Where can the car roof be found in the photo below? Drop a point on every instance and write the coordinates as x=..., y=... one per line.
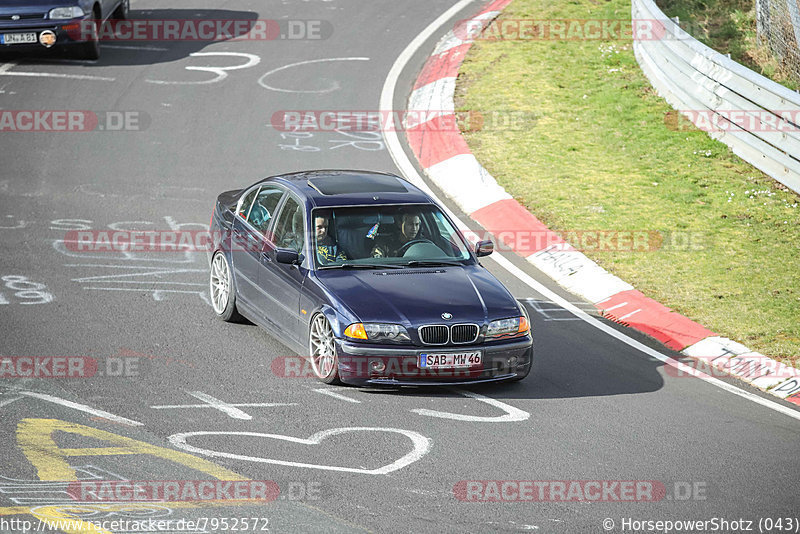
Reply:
x=335, y=187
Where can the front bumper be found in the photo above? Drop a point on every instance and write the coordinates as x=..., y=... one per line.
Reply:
x=67, y=32
x=500, y=361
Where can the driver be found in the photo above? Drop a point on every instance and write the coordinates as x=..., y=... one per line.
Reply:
x=328, y=250
x=409, y=231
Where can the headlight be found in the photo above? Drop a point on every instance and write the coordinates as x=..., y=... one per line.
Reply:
x=378, y=332
x=61, y=13
x=516, y=326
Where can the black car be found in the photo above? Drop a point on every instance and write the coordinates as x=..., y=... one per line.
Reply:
x=46, y=24
x=366, y=276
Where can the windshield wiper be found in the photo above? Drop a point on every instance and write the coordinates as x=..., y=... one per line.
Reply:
x=347, y=265
x=432, y=263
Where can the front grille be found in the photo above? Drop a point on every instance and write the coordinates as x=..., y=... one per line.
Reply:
x=441, y=334
x=463, y=333
x=434, y=334
x=23, y=16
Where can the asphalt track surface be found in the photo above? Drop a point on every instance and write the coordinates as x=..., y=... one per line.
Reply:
x=593, y=409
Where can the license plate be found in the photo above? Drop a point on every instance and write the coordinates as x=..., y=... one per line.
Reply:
x=449, y=360
x=18, y=38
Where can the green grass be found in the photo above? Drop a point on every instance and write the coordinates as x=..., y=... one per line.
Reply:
x=599, y=156
x=729, y=26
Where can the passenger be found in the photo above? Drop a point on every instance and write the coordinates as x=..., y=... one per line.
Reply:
x=408, y=231
x=328, y=250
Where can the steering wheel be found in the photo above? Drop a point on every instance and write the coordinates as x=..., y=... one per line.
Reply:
x=402, y=250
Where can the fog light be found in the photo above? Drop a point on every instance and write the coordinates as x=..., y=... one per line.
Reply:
x=512, y=361
x=377, y=366
x=47, y=38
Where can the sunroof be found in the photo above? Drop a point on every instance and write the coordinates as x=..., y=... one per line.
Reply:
x=344, y=184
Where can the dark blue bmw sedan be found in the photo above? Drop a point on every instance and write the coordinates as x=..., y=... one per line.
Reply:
x=367, y=277
x=44, y=24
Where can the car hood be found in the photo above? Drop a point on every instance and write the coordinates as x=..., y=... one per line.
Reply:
x=420, y=296
x=11, y=7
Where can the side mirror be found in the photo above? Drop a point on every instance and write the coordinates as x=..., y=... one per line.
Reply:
x=288, y=256
x=484, y=248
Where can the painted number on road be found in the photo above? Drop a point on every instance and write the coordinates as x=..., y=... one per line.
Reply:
x=220, y=72
x=25, y=291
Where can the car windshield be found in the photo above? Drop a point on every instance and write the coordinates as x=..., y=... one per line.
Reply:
x=386, y=237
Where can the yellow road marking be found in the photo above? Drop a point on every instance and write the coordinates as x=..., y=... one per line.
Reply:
x=35, y=438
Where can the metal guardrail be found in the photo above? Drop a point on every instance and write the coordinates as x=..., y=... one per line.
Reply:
x=694, y=78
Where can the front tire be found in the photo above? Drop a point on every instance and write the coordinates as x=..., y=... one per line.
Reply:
x=322, y=348
x=91, y=48
x=222, y=290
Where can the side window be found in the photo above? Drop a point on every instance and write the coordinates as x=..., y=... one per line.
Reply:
x=264, y=208
x=289, y=231
x=247, y=202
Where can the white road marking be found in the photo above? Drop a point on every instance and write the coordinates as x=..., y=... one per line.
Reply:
x=615, y=307
x=117, y=266
x=410, y=172
x=158, y=294
x=629, y=314
x=6, y=402
x=61, y=247
x=229, y=409
x=333, y=87
x=150, y=282
x=81, y=407
x=422, y=446
x=146, y=48
x=335, y=395
x=6, y=67
x=512, y=414
x=236, y=404
x=541, y=310
x=252, y=61
x=151, y=273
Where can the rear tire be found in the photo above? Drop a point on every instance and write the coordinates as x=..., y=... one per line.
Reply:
x=222, y=290
x=123, y=11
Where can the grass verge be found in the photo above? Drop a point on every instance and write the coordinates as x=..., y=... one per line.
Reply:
x=599, y=156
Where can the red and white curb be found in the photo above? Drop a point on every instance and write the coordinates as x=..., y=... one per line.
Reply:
x=446, y=159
